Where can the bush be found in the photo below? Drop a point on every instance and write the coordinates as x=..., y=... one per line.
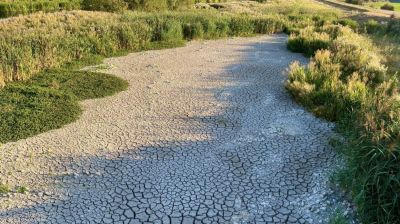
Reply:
x=372, y=26
x=357, y=54
x=105, y=5
x=387, y=7
x=171, y=31
x=269, y=25
x=308, y=41
x=241, y=26
x=193, y=31
x=320, y=87
x=393, y=27
x=350, y=23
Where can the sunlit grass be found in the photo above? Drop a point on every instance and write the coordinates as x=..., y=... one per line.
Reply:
x=378, y=5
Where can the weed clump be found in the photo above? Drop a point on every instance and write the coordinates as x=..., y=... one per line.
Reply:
x=387, y=7
x=22, y=190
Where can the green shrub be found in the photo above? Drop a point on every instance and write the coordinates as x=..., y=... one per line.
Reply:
x=193, y=31
x=357, y=54
x=105, y=5
x=269, y=25
x=24, y=7
x=319, y=87
x=171, y=30
x=387, y=7
x=373, y=26
x=393, y=28
x=211, y=29
x=350, y=23
x=308, y=41
x=241, y=26
x=354, y=52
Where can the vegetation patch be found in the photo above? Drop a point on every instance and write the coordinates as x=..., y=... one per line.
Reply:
x=40, y=95
x=44, y=41
x=4, y=189
x=22, y=190
x=10, y=8
x=392, y=6
x=49, y=101
x=82, y=84
x=347, y=82
x=308, y=41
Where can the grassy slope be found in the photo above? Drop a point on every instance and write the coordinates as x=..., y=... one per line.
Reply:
x=377, y=5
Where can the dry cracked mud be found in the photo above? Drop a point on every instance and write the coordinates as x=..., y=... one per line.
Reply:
x=205, y=134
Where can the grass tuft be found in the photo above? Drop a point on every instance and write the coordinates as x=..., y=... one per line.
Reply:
x=22, y=190
x=4, y=189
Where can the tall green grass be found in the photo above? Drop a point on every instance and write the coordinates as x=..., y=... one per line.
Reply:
x=24, y=7
x=42, y=41
x=346, y=81
x=38, y=96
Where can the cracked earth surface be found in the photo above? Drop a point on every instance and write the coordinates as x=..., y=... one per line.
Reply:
x=205, y=134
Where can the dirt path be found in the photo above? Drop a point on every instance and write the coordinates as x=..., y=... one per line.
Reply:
x=205, y=133
x=360, y=12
